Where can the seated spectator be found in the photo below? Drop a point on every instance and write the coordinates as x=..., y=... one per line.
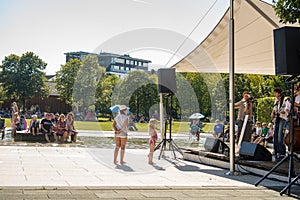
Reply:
x=263, y=134
x=23, y=123
x=269, y=137
x=70, y=127
x=227, y=133
x=62, y=128
x=47, y=128
x=54, y=120
x=34, y=126
x=155, y=115
x=131, y=124
x=218, y=129
x=2, y=127
x=142, y=119
x=15, y=124
x=256, y=132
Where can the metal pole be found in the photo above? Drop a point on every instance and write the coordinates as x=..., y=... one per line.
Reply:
x=161, y=115
x=231, y=88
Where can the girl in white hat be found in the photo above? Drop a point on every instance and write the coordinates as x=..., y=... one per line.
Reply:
x=120, y=125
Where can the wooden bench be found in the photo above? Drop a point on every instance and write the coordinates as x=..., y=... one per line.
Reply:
x=25, y=136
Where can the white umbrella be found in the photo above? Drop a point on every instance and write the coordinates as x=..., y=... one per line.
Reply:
x=196, y=116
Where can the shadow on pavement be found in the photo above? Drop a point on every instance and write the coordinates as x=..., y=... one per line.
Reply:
x=124, y=168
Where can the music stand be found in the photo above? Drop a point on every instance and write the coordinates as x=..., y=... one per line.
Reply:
x=290, y=154
x=163, y=143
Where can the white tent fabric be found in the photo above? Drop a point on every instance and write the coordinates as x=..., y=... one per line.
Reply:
x=254, y=46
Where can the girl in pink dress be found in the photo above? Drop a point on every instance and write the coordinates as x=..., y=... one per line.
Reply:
x=153, y=138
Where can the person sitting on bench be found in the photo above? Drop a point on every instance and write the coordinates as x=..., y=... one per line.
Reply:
x=218, y=130
x=34, y=125
x=47, y=128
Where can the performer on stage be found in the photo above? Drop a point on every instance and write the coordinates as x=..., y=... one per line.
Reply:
x=280, y=113
x=245, y=108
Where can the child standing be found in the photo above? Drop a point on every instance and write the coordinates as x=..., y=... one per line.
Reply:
x=153, y=138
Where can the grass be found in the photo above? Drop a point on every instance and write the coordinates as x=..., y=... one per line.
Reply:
x=177, y=127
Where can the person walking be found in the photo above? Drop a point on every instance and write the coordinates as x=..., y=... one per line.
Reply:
x=153, y=138
x=120, y=126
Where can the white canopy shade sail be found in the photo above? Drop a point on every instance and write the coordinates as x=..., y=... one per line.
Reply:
x=254, y=44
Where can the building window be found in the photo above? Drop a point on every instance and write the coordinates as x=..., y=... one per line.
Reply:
x=119, y=60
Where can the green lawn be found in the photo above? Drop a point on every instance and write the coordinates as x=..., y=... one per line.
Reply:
x=177, y=127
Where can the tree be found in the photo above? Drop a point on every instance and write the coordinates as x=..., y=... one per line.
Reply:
x=201, y=90
x=85, y=84
x=23, y=78
x=65, y=79
x=104, y=91
x=138, y=91
x=287, y=10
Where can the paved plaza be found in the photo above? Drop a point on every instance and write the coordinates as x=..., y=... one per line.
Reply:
x=51, y=171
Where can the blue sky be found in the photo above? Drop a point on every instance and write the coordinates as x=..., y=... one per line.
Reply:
x=50, y=28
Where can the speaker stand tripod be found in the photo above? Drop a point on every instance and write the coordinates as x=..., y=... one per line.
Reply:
x=290, y=155
x=163, y=144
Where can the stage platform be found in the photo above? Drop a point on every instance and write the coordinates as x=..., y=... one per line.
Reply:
x=260, y=168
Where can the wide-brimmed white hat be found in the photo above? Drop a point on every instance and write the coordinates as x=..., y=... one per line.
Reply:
x=123, y=107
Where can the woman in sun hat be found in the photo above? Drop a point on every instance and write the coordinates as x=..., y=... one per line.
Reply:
x=120, y=125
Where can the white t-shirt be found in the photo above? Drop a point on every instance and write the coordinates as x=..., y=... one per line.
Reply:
x=120, y=121
x=286, y=106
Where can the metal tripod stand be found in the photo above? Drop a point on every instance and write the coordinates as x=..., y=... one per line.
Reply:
x=163, y=144
x=290, y=155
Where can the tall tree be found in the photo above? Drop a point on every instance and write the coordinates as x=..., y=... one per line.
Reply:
x=138, y=91
x=65, y=79
x=85, y=84
x=104, y=91
x=287, y=10
x=23, y=78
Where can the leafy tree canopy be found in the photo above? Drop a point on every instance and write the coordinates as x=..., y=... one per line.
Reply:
x=65, y=79
x=287, y=10
x=22, y=77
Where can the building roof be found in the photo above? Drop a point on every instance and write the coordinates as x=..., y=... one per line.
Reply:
x=125, y=56
x=53, y=91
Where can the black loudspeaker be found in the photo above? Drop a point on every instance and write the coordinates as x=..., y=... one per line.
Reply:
x=215, y=145
x=166, y=81
x=251, y=151
x=287, y=50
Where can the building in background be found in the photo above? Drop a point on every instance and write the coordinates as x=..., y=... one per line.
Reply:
x=119, y=65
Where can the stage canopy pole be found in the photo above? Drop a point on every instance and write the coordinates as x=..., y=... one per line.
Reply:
x=231, y=89
x=161, y=116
